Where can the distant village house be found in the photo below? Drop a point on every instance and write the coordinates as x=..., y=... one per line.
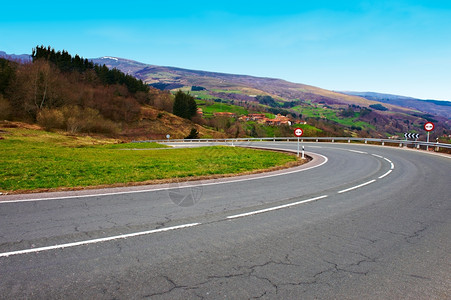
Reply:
x=224, y=114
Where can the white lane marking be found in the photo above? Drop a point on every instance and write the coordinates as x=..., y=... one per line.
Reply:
x=392, y=166
x=357, y=186
x=389, y=171
x=274, y=208
x=94, y=241
x=166, y=188
x=355, y=151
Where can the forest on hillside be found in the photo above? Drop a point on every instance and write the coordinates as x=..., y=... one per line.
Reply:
x=60, y=91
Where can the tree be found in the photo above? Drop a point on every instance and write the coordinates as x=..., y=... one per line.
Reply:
x=378, y=107
x=194, y=134
x=184, y=105
x=6, y=74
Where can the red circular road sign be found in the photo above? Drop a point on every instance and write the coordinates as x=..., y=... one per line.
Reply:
x=298, y=132
x=429, y=126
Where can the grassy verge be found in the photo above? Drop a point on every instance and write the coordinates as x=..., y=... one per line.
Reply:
x=38, y=160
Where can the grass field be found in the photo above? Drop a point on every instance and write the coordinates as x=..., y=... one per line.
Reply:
x=210, y=108
x=331, y=115
x=39, y=160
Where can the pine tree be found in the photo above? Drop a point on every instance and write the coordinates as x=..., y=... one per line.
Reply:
x=184, y=105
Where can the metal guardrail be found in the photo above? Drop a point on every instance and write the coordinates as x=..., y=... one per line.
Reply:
x=401, y=143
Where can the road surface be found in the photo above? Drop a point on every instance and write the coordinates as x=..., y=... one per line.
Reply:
x=363, y=222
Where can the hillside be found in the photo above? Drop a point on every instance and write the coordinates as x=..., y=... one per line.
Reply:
x=108, y=85
x=434, y=107
x=59, y=91
x=327, y=110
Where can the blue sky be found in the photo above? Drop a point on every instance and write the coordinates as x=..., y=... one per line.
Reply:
x=398, y=47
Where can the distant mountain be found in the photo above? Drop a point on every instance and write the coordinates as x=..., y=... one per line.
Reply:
x=125, y=65
x=338, y=113
x=367, y=113
x=18, y=58
x=178, y=77
x=435, y=107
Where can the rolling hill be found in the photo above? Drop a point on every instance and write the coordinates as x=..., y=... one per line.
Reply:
x=359, y=114
x=328, y=112
x=434, y=107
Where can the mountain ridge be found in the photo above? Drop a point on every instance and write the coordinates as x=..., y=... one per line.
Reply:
x=429, y=106
x=360, y=114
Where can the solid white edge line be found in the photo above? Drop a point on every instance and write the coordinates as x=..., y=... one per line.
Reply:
x=164, y=189
x=392, y=166
x=94, y=241
x=357, y=186
x=275, y=208
x=389, y=171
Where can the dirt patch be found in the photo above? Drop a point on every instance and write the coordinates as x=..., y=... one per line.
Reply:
x=10, y=124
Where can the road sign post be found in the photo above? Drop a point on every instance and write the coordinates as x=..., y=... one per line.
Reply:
x=298, y=132
x=429, y=126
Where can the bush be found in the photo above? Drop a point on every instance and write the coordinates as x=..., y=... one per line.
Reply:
x=75, y=119
x=5, y=108
x=51, y=119
x=194, y=134
x=87, y=120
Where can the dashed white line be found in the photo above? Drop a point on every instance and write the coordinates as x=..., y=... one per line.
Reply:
x=360, y=152
x=392, y=166
x=94, y=241
x=275, y=208
x=389, y=171
x=124, y=236
x=167, y=188
x=357, y=186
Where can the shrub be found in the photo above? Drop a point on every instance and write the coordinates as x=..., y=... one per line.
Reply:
x=5, y=108
x=51, y=119
x=87, y=120
x=194, y=134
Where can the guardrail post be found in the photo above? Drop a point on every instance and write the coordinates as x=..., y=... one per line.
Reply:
x=383, y=143
x=333, y=140
x=349, y=141
x=366, y=142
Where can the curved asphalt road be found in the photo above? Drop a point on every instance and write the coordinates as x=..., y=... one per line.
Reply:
x=369, y=222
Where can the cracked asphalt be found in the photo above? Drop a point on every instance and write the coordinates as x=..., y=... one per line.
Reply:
x=390, y=239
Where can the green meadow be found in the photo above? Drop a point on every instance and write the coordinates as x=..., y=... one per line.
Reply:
x=40, y=160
